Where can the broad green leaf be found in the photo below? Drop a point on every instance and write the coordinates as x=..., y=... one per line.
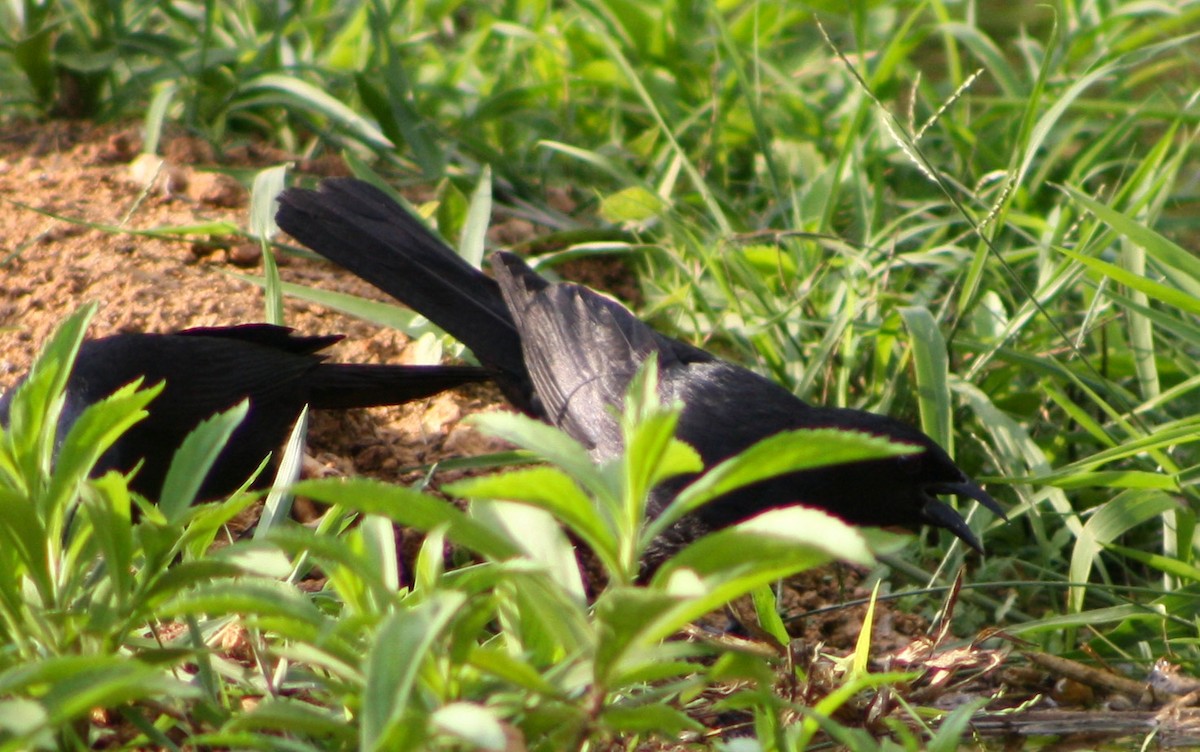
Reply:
x=540, y=536
x=624, y=617
x=550, y=489
x=783, y=453
x=401, y=647
x=932, y=366
x=475, y=724
x=479, y=214
x=195, y=457
x=634, y=205
x=1117, y=517
x=37, y=402
x=734, y=561
x=293, y=92
x=512, y=669
x=657, y=719
x=94, y=432
x=256, y=597
x=293, y=716
x=549, y=443
x=410, y=508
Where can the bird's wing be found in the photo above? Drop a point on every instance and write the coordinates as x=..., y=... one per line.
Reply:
x=581, y=350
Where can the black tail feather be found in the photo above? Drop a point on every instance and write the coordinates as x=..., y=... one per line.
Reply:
x=360, y=228
x=338, y=386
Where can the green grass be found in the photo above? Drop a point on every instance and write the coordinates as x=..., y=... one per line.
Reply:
x=1002, y=258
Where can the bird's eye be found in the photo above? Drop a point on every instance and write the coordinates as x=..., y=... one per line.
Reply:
x=909, y=464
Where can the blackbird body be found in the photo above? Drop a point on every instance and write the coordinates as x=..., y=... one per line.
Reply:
x=209, y=370
x=567, y=354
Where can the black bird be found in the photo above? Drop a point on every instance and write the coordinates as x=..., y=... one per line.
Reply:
x=208, y=370
x=566, y=354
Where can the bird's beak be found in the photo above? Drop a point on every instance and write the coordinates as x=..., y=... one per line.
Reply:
x=943, y=515
x=969, y=489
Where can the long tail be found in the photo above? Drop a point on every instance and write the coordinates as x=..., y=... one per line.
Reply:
x=345, y=385
x=360, y=228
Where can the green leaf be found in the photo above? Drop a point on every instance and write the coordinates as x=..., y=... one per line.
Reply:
x=783, y=453
x=293, y=717
x=539, y=535
x=278, y=506
x=1164, y=293
x=430, y=565
x=472, y=723
x=624, y=617
x=472, y=243
x=549, y=443
x=410, y=508
x=766, y=608
x=175, y=581
x=634, y=205
x=1118, y=516
x=783, y=535
x=195, y=457
x=382, y=314
x=512, y=669
x=1164, y=564
x=1054, y=625
x=68, y=687
x=771, y=263
x=94, y=432
x=379, y=539
x=256, y=597
x=932, y=366
x=156, y=114
x=734, y=561
x=652, y=454
x=37, y=402
x=549, y=489
x=293, y=92
x=657, y=719
x=1158, y=246
x=264, y=201
x=268, y=184
x=401, y=647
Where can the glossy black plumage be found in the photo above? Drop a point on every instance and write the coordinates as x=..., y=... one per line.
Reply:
x=208, y=370
x=566, y=354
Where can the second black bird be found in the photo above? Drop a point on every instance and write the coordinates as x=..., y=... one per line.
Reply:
x=209, y=370
x=566, y=354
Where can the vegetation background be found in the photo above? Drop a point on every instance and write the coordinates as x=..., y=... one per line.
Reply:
x=976, y=216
